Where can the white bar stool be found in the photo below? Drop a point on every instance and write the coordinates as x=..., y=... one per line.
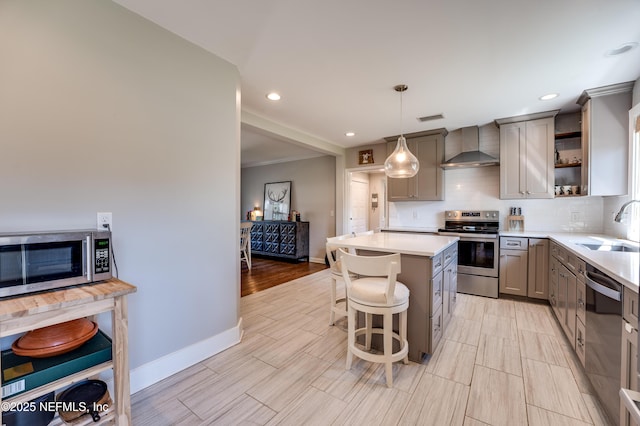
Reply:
x=376, y=293
x=332, y=246
x=335, y=307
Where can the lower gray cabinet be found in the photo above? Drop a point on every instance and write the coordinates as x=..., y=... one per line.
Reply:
x=513, y=265
x=537, y=282
x=280, y=239
x=450, y=283
x=629, y=353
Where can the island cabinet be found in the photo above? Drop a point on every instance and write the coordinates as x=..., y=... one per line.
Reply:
x=278, y=238
x=527, y=156
x=450, y=283
x=429, y=270
x=428, y=184
x=31, y=311
x=605, y=139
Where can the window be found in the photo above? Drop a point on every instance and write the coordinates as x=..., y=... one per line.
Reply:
x=633, y=212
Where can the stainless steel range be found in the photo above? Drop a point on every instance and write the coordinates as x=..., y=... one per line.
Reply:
x=477, y=249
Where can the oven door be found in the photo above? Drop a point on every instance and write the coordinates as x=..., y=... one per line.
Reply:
x=478, y=254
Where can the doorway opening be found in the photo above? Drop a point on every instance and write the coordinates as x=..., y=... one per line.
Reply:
x=365, y=199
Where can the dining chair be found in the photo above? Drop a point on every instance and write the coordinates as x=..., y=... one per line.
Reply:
x=245, y=243
x=336, y=303
x=375, y=291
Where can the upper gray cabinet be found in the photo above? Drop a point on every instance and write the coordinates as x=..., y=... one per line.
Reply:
x=526, y=156
x=605, y=139
x=428, y=184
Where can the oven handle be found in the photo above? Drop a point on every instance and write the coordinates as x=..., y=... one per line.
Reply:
x=470, y=236
x=604, y=287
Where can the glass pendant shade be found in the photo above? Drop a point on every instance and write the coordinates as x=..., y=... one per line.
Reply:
x=401, y=163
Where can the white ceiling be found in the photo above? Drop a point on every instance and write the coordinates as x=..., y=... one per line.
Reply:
x=335, y=62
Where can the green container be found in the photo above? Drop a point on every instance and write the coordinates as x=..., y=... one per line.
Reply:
x=21, y=373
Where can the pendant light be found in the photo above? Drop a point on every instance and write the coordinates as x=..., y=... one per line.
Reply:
x=401, y=163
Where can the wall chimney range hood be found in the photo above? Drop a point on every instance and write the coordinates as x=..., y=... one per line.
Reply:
x=471, y=156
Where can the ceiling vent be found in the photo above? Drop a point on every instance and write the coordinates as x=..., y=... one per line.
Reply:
x=430, y=118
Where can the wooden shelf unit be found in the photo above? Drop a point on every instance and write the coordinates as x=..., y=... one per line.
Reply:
x=33, y=311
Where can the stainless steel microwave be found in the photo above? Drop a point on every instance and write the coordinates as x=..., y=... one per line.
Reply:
x=38, y=261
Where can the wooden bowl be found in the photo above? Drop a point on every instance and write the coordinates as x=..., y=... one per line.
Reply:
x=55, y=339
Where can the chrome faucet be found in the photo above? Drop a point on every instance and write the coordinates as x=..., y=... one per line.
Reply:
x=618, y=217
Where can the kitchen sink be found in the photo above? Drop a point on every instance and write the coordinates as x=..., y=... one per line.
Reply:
x=611, y=247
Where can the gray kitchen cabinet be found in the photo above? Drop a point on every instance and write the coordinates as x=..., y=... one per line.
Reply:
x=567, y=292
x=567, y=295
x=605, y=139
x=629, y=353
x=513, y=266
x=436, y=319
x=581, y=340
x=428, y=184
x=538, y=267
x=553, y=284
x=450, y=283
x=527, y=158
x=425, y=315
x=630, y=307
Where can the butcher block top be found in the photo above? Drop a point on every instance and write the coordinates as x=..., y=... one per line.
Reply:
x=36, y=303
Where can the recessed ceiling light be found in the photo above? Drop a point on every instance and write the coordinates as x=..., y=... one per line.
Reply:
x=350, y=134
x=623, y=48
x=273, y=96
x=548, y=97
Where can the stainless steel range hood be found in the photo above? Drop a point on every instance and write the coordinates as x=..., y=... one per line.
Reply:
x=471, y=156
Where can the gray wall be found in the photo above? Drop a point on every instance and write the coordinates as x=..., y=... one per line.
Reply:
x=101, y=110
x=313, y=194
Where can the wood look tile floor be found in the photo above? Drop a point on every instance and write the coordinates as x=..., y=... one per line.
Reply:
x=500, y=362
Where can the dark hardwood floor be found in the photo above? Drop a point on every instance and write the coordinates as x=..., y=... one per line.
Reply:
x=266, y=273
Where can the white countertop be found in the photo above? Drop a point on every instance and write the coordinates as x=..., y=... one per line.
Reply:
x=622, y=266
x=425, y=230
x=403, y=243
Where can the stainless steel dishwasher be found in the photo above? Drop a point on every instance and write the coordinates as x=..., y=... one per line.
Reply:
x=603, y=338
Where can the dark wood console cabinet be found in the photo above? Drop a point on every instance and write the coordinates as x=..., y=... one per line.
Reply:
x=278, y=238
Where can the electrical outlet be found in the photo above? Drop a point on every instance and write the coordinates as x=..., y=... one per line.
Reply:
x=575, y=216
x=415, y=215
x=105, y=221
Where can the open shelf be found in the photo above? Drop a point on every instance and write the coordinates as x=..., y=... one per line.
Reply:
x=568, y=135
x=562, y=166
x=60, y=383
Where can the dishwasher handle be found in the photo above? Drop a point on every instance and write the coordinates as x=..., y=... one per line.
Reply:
x=604, y=285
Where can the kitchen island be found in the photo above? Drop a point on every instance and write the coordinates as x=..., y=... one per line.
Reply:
x=429, y=270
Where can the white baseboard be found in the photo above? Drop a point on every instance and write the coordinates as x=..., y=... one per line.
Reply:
x=316, y=260
x=161, y=368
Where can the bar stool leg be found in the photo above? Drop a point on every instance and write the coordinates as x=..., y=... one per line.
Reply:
x=368, y=325
x=388, y=347
x=332, y=316
x=351, y=325
x=403, y=333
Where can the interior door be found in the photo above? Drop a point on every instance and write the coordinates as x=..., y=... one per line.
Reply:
x=359, y=212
